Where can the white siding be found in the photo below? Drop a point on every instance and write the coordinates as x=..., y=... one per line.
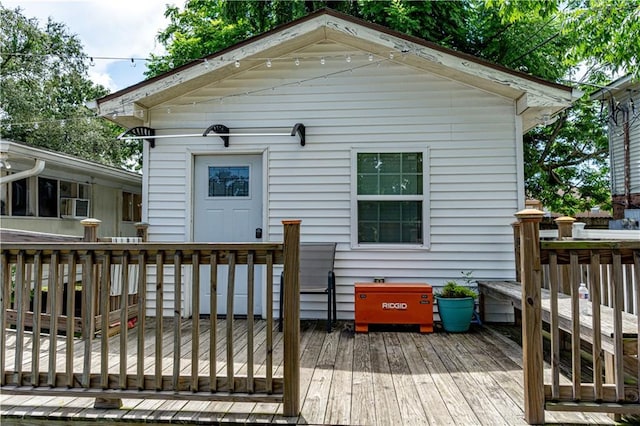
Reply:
x=616, y=140
x=469, y=134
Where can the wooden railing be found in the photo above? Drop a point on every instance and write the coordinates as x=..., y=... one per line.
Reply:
x=611, y=332
x=134, y=364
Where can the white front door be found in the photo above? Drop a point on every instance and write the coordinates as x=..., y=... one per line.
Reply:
x=228, y=208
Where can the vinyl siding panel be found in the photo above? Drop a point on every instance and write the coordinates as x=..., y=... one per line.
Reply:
x=469, y=136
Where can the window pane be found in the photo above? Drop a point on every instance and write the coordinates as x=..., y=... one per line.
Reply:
x=19, y=197
x=229, y=181
x=47, y=197
x=390, y=174
x=412, y=162
x=412, y=184
x=390, y=163
x=390, y=222
x=137, y=207
x=368, y=163
x=368, y=184
x=390, y=185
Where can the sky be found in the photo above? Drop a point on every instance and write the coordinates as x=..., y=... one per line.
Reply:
x=107, y=28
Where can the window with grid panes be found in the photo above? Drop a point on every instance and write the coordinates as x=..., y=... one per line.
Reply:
x=390, y=198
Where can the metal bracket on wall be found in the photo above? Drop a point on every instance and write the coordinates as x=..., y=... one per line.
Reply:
x=140, y=132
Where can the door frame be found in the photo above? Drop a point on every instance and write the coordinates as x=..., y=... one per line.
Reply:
x=190, y=161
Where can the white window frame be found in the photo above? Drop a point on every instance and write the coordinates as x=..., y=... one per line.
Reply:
x=426, y=233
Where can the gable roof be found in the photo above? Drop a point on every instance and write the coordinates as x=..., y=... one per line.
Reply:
x=625, y=83
x=535, y=98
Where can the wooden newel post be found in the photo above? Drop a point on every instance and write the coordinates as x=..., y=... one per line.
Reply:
x=142, y=231
x=532, y=356
x=565, y=227
x=90, y=229
x=291, y=398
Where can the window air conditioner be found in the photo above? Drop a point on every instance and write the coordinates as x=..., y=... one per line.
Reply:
x=76, y=208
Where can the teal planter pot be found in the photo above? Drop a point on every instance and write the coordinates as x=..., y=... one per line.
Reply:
x=455, y=313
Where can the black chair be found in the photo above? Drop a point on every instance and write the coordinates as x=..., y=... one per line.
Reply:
x=316, y=277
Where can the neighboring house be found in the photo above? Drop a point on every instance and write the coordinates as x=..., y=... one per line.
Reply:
x=410, y=157
x=621, y=101
x=50, y=192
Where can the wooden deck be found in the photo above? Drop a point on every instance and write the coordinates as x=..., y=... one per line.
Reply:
x=388, y=376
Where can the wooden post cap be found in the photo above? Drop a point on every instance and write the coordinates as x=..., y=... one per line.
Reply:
x=90, y=222
x=565, y=220
x=530, y=214
x=292, y=222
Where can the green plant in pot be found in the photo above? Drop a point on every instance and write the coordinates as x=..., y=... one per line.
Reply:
x=456, y=304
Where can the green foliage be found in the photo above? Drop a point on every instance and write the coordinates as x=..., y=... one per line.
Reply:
x=453, y=290
x=566, y=163
x=43, y=89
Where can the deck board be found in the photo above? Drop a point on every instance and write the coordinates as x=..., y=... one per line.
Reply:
x=385, y=377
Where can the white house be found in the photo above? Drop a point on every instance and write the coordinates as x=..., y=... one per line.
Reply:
x=622, y=103
x=406, y=154
x=50, y=192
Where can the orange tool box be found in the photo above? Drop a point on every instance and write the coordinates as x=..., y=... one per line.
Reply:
x=393, y=303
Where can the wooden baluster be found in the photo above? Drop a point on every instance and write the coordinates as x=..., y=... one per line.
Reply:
x=105, y=292
x=5, y=298
x=124, y=319
x=636, y=267
x=231, y=285
x=213, y=331
x=177, y=318
x=594, y=290
x=195, y=331
x=531, y=315
x=37, y=316
x=291, y=397
x=71, y=317
x=554, y=325
x=250, y=325
x=269, y=360
x=142, y=312
x=576, y=372
x=88, y=315
x=618, y=306
x=159, y=316
x=20, y=290
x=54, y=294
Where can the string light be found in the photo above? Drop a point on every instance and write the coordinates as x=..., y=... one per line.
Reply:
x=268, y=63
x=273, y=88
x=370, y=57
x=349, y=59
x=322, y=61
x=297, y=62
x=237, y=64
x=133, y=63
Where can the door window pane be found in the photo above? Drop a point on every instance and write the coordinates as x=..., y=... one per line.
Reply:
x=229, y=181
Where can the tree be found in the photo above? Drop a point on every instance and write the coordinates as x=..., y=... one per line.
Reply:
x=565, y=163
x=204, y=27
x=43, y=89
